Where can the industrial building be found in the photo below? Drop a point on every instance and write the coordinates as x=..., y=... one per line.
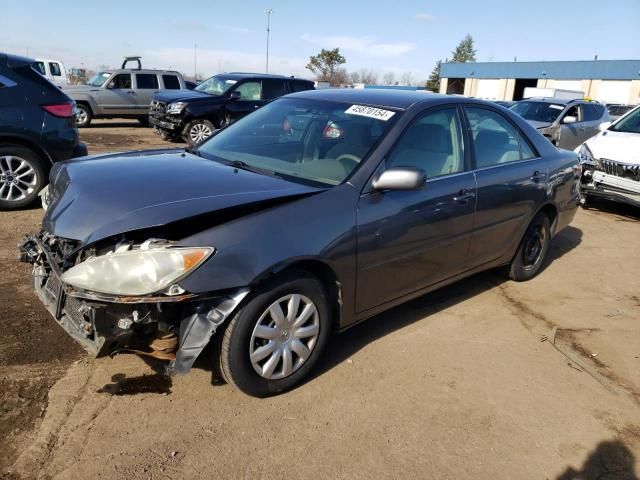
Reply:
x=608, y=81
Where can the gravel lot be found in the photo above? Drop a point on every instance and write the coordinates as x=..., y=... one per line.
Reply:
x=456, y=384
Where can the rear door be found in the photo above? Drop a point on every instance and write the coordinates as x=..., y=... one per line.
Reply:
x=146, y=87
x=116, y=96
x=511, y=183
x=250, y=99
x=408, y=240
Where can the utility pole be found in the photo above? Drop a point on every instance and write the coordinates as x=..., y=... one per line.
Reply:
x=268, y=11
x=195, y=62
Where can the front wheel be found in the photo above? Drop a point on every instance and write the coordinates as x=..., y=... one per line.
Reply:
x=198, y=131
x=22, y=176
x=532, y=250
x=276, y=338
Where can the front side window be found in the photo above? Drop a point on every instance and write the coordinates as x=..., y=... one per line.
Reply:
x=573, y=111
x=538, y=111
x=122, y=80
x=39, y=67
x=146, y=81
x=307, y=141
x=433, y=144
x=171, y=82
x=250, y=91
x=495, y=139
x=54, y=68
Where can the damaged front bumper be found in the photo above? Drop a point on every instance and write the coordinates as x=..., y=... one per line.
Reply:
x=175, y=328
x=611, y=182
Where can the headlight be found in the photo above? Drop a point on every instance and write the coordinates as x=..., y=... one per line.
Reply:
x=584, y=154
x=135, y=272
x=176, y=108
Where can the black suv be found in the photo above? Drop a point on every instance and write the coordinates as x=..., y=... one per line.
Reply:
x=194, y=115
x=37, y=128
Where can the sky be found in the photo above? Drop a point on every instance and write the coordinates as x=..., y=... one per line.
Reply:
x=400, y=37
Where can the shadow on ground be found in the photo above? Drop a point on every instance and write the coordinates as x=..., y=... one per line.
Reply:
x=611, y=460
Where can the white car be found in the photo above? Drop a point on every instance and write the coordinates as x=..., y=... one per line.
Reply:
x=52, y=70
x=611, y=162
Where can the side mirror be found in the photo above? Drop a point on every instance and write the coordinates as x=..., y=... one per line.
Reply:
x=235, y=95
x=569, y=119
x=400, y=178
x=604, y=126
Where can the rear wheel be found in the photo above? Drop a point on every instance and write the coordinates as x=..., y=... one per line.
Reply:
x=198, y=131
x=144, y=121
x=84, y=115
x=532, y=250
x=22, y=176
x=275, y=338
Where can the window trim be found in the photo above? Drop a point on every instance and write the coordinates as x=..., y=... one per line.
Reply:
x=416, y=118
x=521, y=136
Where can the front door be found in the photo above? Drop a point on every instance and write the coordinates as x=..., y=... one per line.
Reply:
x=511, y=180
x=117, y=96
x=250, y=100
x=408, y=240
x=572, y=134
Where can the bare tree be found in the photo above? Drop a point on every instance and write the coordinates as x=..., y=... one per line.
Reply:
x=406, y=79
x=388, y=78
x=368, y=77
x=354, y=77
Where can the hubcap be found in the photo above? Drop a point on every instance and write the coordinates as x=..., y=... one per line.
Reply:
x=199, y=132
x=284, y=337
x=18, y=179
x=533, y=246
x=81, y=116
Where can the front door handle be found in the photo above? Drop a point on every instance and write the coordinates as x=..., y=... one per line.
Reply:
x=537, y=176
x=464, y=196
x=131, y=92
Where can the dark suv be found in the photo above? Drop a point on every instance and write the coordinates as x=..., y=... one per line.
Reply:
x=37, y=128
x=194, y=115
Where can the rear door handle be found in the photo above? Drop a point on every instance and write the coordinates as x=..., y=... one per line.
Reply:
x=537, y=176
x=464, y=196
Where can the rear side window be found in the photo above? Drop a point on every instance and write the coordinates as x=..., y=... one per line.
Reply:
x=39, y=67
x=54, y=68
x=171, y=82
x=146, y=81
x=433, y=144
x=495, y=139
x=592, y=112
x=272, y=89
x=301, y=86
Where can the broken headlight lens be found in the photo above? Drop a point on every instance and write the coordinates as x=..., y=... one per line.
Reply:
x=135, y=272
x=584, y=154
x=175, y=108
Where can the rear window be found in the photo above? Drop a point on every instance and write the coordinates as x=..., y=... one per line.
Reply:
x=301, y=86
x=147, y=81
x=592, y=111
x=171, y=82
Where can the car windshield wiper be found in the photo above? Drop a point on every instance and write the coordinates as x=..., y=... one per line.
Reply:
x=250, y=168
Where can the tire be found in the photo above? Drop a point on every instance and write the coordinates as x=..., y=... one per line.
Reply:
x=584, y=201
x=22, y=176
x=84, y=115
x=242, y=336
x=144, y=121
x=197, y=131
x=532, y=250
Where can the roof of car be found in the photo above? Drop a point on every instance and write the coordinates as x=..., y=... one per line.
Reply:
x=557, y=101
x=389, y=98
x=243, y=75
x=135, y=70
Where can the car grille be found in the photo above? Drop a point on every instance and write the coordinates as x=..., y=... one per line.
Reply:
x=157, y=108
x=621, y=169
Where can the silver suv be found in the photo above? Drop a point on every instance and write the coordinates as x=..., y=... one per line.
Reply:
x=566, y=123
x=122, y=93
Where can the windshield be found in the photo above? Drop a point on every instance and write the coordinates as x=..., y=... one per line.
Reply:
x=216, y=85
x=98, y=79
x=629, y=123
x=538, y=111
x=303, y=140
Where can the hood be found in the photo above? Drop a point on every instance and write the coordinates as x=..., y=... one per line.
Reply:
x=168, y=96
x=617, y=146
x=97, y=197
x=539, y=125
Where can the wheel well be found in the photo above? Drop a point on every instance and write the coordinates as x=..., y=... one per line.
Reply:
x=552, y=214
x=85, y=103
x=31, y=146
x=329, y=280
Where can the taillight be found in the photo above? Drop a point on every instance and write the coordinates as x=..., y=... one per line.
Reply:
x=64, y=110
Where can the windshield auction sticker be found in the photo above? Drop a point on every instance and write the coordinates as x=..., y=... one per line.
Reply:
x=370, y=112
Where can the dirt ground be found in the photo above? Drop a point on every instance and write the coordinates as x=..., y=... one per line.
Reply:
x=460, y=383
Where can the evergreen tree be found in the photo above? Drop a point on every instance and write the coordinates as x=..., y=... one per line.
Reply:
x=464, y=52
x=433, y=83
